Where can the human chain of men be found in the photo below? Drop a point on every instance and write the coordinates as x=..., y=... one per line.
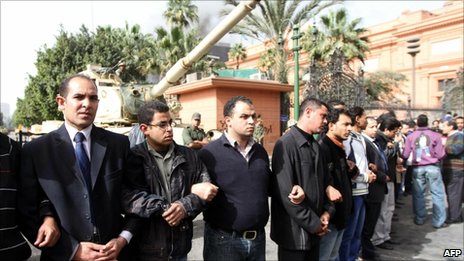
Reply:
x=334, y=180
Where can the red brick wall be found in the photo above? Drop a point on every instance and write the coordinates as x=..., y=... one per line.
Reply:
x=210, y=102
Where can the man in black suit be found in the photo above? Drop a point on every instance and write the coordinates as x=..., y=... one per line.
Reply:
x=85, y=201
x=377, y=189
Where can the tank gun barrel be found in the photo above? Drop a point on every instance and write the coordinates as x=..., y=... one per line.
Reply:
x=182, y=66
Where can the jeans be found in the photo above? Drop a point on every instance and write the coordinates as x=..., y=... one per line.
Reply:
x=330, y=243
x=421, y=176
x=221, y=245
x=351, y=242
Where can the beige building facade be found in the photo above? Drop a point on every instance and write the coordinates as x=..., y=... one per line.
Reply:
x=441, y=34
x=441, y=51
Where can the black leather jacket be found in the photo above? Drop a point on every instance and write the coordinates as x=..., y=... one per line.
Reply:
x=156, y=240
x=295, y=161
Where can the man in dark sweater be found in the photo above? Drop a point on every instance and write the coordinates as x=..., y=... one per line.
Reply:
x=339, y=127
x=235, y=219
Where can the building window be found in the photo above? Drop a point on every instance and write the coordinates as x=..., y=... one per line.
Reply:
x=443, y=83
x=446, y=47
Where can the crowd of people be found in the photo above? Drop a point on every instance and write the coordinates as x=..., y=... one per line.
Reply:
x=84, y=193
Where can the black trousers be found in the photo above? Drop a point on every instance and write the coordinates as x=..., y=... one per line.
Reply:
x=284, y=254
x=408, y=180
x=372, y=214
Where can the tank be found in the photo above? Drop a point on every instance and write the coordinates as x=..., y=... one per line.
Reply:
x=120, y=101
x=184, y=64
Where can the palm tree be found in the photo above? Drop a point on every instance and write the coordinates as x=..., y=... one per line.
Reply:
x=335, y=32
x=181, y=13
x=271, y=19
x=171, y=46
x=267, y=61
x=237, y=53
x=175, y=42
x=276, y=17
x=137, y=53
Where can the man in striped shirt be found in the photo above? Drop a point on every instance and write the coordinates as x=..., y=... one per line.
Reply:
x=355, y=149
x=12, y=244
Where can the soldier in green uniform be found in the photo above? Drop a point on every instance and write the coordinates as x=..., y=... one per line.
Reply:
x=195, y=137
x=258, y=134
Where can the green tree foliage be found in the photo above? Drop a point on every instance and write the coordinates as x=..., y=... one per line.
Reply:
x=335, y=31
x=172, y=45
x=453, y=98
x=276, y=17
x=267, y=61
x=383, y=87
x=181, y=13
x=237, y=53
x=271, y=20
x=142, y=55
x=176, y=42
x=70, y=54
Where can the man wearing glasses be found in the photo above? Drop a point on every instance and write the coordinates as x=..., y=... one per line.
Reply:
x=178, y=182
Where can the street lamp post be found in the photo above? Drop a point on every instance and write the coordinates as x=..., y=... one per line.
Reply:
x=296, y=85
x=413, y=49
x=409, y=107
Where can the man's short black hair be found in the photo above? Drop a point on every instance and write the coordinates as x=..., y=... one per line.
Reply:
x=453, y=124
x=230, y=104
x=63, y=89
x=334, y=115
x=313, y=103
x=422, y=120
x=149, y=109
x=355, y=112
x=390, y=124
x=409, y=123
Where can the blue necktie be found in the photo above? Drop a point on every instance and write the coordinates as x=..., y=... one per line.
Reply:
x=83, y=160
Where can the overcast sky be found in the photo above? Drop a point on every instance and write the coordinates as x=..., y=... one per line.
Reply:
x=28, y=25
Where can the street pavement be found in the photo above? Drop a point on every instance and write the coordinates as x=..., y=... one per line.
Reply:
x=422, y=242
x=416, y=242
